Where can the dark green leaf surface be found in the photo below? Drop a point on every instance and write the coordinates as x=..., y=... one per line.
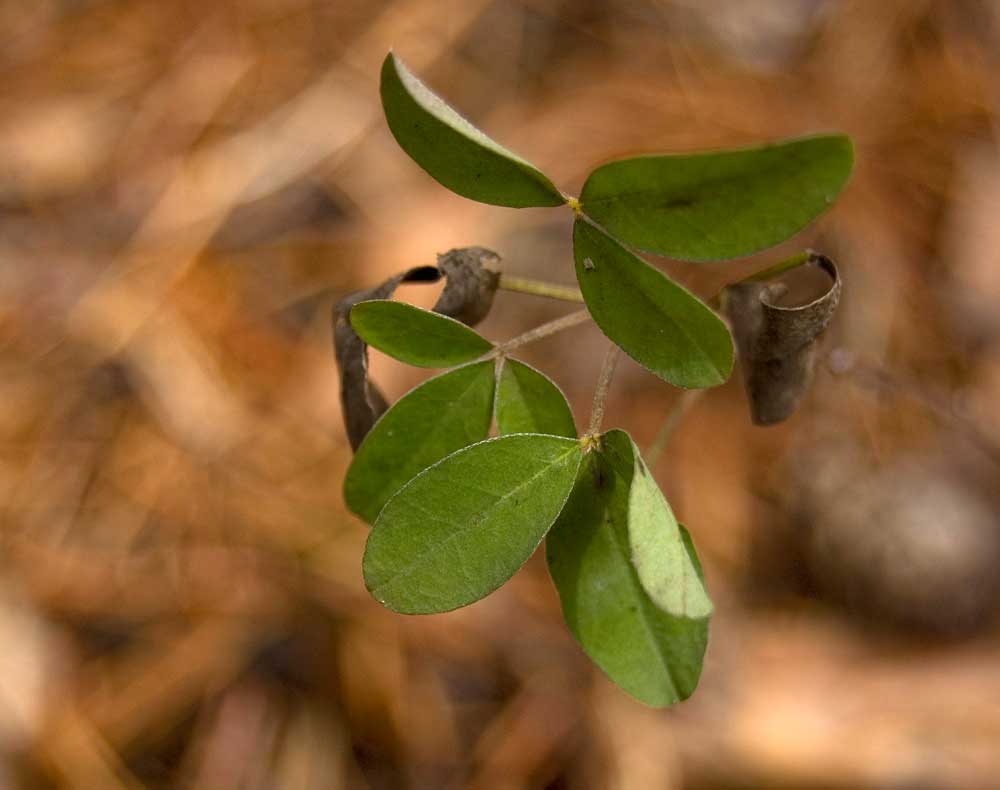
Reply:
x=417, y=337
x=530, y=402
x=658, y=323
x=463, y=527
x=653, y=655
x=723, y=204
x=455, y=152
x=442, y=415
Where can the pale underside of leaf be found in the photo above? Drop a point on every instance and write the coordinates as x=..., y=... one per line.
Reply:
x=662, y=562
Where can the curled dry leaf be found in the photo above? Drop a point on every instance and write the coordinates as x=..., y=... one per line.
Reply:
x=361, y=402
x=777, y=343
x=471, y=281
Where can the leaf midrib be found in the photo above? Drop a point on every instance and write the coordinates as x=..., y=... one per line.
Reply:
x=635, y=280
x=438, y=327
x=654, y=190
x=450, y=334
x=442, y=112
x=474, y=520
x=434, y=431
x=624, y=553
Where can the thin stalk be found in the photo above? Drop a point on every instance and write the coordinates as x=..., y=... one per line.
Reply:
x=782, y=266
x=601, y=393
x=525, y=285
x=794, y=262
x=543, y=331
x=680, y=408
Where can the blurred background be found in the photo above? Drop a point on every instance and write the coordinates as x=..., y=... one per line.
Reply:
x=186, y=188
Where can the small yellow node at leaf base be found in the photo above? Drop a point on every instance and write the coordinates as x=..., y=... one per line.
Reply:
x=574, y=204
x=590, y=442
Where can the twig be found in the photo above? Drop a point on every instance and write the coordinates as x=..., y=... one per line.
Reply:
x=794, y=262
x=543, y=331
x=681, y=406
x=601, y=393
x=525, y=285
x=781, y=267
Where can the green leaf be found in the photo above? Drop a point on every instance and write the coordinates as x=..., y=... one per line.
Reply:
x=463, y=527
x=723, y=204
x=661, y=325
x=417, y=337
x=530, y=402
x=455, y=152
x=442, y=415
x=653, y=655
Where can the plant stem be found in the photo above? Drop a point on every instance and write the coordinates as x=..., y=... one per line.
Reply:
x=543, y=331
x=782, y=266
x=799, y=259
x=601, y=393
x=674, y=417
x=540, y=288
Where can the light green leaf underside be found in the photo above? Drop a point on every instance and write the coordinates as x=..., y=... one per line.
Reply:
x=722, y=204
x=442, y=415
x=661, y=325
x=653, y=655
x=417, y=337
x=463, y=527
x=663, y=563
x=530, y=402
x=453, y=151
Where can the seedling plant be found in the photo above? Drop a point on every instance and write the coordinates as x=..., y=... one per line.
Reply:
x=456, y=512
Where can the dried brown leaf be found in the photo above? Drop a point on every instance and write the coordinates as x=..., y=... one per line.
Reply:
x=471, y=282
x=777, y=343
